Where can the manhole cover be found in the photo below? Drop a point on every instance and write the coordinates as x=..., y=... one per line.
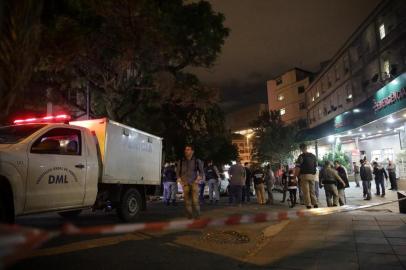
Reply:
x=226, y=237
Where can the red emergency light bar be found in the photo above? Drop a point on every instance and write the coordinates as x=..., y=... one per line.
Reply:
x=57, y=118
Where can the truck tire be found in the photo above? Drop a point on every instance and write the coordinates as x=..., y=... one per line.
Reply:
x=3, y=212
x=130, y=205
x=70, y=214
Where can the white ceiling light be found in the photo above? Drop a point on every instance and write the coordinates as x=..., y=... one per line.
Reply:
x=360, y=130
x=391, y=120
x=356, y=110
x=331, y=138
x=349, y=132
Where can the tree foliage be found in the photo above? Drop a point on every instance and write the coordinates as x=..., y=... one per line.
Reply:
x=19, y=39
x=337, y=154
x=274, y=140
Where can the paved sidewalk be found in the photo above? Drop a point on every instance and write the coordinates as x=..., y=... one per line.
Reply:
x=374, y=238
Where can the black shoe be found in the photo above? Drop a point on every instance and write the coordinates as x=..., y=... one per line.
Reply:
x=383, y=195
x=377, y=194
x=315, y=206
x=334, y=205
x=390, y=188
x=308, y=207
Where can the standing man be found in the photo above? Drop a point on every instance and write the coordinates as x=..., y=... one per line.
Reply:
x=329, y=179
x=355, y=169
x=237, y=181
x=212, y=175
x=379, y=173
x=190, y=172
x=341, y=186
x=306, y=165
x=258, y=177
x=392, y=175
x=366, y=177
x=246, y=192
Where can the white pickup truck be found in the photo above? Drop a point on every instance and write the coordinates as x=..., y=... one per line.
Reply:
x=70, y=166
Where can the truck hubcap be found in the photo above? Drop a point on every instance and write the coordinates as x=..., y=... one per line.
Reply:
x=132, y=205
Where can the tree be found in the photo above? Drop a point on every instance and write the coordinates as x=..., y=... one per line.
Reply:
x=337, y=154
x=130, y=52
x=274, y=140
x=19, y=41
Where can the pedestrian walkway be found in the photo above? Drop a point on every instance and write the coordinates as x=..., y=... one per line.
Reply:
x=373, y=238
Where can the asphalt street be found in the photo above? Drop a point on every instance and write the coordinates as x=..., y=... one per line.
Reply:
x=253, y=246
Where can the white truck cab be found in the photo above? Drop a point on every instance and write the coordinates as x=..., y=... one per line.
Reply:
x=66, y=167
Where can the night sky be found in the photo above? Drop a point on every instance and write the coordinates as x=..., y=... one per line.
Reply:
x=269, y=37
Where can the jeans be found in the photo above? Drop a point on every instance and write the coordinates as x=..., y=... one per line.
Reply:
x=191, y=198
x=246, y=196
x=341, y=196
x=316, y=189
x=380, y=183
x=393, y=183
x=236, y=194
x=357, y=178
x=292, y=195
x=269, y=187
x=260, y=192
x=214, y=190
x=331, y=194
x=170, y=191
x=307, y=185
x=366, y=187
x=201, y=191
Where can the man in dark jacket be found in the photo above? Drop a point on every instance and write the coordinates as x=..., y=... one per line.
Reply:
x=380, y=173
x=340, y=186
x=329, y=179
x=366, y=177
x=306, y=165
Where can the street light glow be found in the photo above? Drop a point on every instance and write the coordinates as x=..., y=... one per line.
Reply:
x=331, y=138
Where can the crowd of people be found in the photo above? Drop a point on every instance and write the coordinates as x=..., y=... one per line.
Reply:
x=301, y=182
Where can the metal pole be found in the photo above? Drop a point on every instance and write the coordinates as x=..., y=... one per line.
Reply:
x=87, y=102
x=316, y=146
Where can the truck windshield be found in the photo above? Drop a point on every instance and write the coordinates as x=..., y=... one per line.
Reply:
x=14, y=134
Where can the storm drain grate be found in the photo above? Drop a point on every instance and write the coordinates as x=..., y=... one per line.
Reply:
x=226, y=237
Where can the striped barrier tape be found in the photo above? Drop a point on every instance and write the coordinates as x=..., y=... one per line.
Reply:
x=16, y=241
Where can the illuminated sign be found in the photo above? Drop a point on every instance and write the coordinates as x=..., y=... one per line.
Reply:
x=389, y=100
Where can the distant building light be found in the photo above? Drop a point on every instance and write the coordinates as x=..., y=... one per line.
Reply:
x=331, y=138
x=281, y=97
x=382, y=32
x=349, y=96
x=360, y=130
x=356, y=110
x=282, y=111
x=317, y=94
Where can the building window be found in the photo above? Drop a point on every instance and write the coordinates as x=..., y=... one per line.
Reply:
x=386, y=67
x=302, y=106
x=281, y=97
x=317, y=94
x=382, y=32
x=282, y=111
x=300, y=89
x=312, y=99
x=278, y=80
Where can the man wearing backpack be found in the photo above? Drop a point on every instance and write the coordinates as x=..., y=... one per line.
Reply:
x=190, y=172
x=306, y=170
x=212, y=176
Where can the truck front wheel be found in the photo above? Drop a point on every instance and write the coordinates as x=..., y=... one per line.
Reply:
x=130, y=205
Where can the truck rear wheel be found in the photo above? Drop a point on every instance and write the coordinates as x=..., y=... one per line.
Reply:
x=70, y=214
x=130, y=205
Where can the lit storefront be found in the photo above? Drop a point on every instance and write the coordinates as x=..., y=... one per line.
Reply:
x=374, y=129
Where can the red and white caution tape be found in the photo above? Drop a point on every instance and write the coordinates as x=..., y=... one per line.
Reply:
x=16, y=242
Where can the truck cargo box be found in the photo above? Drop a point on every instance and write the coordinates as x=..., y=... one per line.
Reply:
x=129, y=156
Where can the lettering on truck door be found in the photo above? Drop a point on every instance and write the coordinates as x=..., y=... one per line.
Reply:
x=56, y=170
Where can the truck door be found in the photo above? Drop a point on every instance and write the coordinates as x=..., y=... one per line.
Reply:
x=56, y=170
